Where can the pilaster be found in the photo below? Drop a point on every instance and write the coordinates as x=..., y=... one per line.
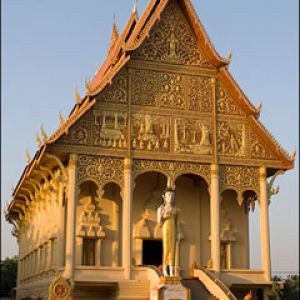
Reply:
x=70, y=226
x=215, y=218
x=127, y=207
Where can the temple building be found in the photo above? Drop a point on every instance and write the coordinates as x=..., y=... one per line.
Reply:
x=162, y=111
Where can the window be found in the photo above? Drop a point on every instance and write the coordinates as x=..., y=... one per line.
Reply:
x=88, y=253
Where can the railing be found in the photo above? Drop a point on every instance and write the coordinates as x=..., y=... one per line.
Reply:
x=213, y=284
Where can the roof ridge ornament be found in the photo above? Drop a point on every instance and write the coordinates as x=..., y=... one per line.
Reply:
x=294, y=153
x=135, y=5
x=229, y=57
x=88, y=86
x=28, y=159
x=114, y=34
x=44, y=134
x=77, y=96
x=61, y=119
x=259, y=106
x=38, y=141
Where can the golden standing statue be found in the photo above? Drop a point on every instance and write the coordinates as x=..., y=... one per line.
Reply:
x=168, y=216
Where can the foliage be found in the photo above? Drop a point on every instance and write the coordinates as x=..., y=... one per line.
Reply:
x=289, y=290
x=8, y=275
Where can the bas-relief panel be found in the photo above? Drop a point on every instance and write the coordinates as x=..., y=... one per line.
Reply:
x=151, y=132
x=172, y=40
x=192, y=136
x=167, y=90
x=231, y=138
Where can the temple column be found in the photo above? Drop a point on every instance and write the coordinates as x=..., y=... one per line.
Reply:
x=60, y=258
x=70, y=226
x=126, y=229
x=38, y=260
x=264, y=224
x=215, y=218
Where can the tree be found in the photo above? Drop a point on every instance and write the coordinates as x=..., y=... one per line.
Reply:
x=8, y=275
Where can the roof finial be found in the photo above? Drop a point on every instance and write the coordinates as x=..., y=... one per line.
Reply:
x=259, y=106
x=293, y=155
x=88, y=86
x=229, y=56
x=134, y=10
x=44, y=134
x=28, y=159
x=61, y=119
x=38, y=141
x=77, y=96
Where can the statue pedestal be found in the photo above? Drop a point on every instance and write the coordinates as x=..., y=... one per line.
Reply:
x=170, y=288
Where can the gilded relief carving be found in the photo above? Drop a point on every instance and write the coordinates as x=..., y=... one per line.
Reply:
x=109, y=129
x=160, y=89
x=117, y=91
x=79, y=133
x=225, y=103
x=101, y=169
x=258, y=149
x=151, y=132
x=231, y=138
x=239, y=178
x=172, y=40
x=191, y=136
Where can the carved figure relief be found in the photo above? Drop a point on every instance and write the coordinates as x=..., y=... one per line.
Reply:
x=117, y=91
x=225, y=103
x=171, y=40
x=192, y=136
x=110, y=129
x=101, y=169
x=151, y=132
x=239, y=178
x=179, y=91
x=231, y=138
x=227, y=231
x=258, y=149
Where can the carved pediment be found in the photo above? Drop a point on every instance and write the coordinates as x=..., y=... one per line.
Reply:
x=172, y=40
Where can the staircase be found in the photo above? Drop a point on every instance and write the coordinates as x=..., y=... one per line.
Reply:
x=198, y=290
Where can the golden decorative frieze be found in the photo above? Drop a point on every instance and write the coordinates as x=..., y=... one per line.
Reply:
x=172, y=169
x=151, y=132
x=117, y=91
x=192, y=136
x=171, y=90
x=258, y=149
x=101, y=169
x=172, y=40
x=239, y=178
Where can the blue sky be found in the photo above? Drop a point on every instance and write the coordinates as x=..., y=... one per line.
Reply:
x=50, y=47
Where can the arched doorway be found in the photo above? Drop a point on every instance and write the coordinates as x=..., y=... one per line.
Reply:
x=193, y=200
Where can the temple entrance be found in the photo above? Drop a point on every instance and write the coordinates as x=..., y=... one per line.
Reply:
x=152, y=252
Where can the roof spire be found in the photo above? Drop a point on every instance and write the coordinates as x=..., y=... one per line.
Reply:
x=259, y=106
x=114, y=34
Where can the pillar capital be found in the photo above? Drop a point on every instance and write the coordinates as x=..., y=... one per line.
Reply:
x=262, y=173
x=127, y=164
x=214, y=169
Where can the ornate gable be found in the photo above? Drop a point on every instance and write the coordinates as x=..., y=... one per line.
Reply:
x=172, y=40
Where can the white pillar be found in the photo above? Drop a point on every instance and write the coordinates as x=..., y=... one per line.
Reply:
x=61, y=221
x=215, y=218
x=38, y=260
x=264, y=224
x=70, y=228
x=126, y=228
